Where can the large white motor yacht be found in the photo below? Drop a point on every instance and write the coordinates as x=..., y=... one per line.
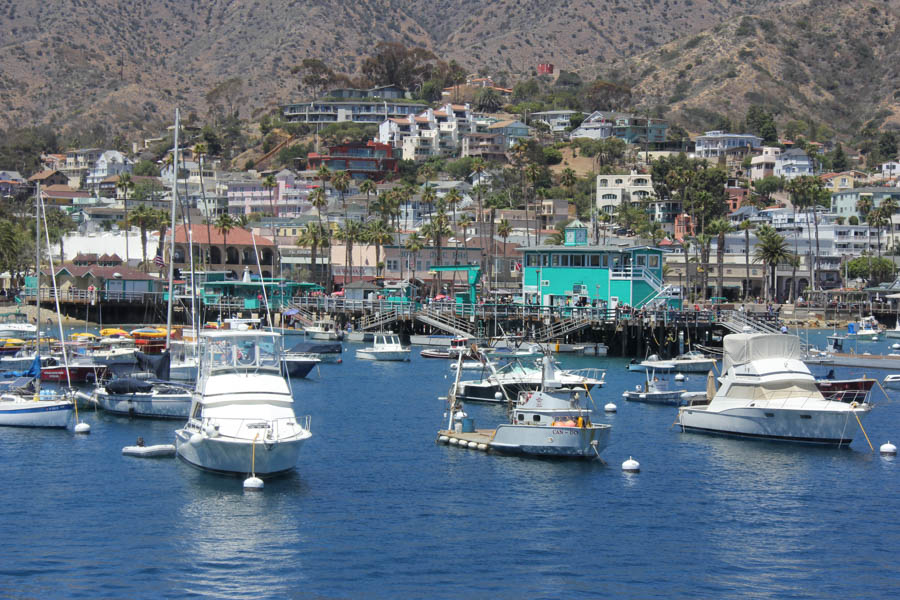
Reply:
x=243, y=402
x=768, y=392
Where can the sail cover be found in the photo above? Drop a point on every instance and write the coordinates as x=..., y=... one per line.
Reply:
x=741, y=348
x=158, y=364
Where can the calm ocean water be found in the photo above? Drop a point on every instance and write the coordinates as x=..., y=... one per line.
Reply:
x=376, y=510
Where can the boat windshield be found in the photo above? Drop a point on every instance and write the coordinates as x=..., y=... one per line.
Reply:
x=242, y=352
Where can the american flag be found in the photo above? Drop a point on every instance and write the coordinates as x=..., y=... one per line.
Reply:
x=158, y=259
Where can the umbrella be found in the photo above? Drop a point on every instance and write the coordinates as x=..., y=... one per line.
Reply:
x=710, y=386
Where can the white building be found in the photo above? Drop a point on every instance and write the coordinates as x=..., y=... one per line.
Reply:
x=596, y=126
x=557, y=120
x=714, y=144
x=793, y=163
x=433, y=132
x=890, y=170
x=763, y=165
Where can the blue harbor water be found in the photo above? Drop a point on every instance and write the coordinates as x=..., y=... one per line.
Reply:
x=376, y=509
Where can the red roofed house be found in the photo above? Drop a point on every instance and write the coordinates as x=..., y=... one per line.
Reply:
x=231, y=251
x=114, y=281
x=48, y=177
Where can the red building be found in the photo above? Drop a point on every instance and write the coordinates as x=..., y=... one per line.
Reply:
x=736, y=197
x=545, y=69
x=363, y=161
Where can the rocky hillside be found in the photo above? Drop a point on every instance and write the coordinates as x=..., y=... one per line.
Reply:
x=829, y=61
x=124, y=64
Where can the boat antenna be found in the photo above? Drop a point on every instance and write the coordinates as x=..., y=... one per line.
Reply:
x=172, y=240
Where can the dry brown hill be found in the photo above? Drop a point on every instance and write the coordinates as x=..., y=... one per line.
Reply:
x=127, y=63
x=831, y=61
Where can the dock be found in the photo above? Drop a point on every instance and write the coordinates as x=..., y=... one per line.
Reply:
x=480, y=439
x=857, y=361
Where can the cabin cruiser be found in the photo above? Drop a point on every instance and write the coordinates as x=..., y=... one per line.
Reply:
x=242, y=417
x=866, y=330
x=385, y=346
x=768, y=392
x=515, y=377
x=16, y=325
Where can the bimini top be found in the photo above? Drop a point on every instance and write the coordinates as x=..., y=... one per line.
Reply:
x=741, y=348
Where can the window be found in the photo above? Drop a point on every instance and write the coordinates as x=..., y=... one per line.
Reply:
x=531, y=260
x=554, y=260
x=606, y=260
x=654, y=261
x=564, y=260
x=578, y=260
x=545, y=260
x=392, y=264
x=641, y=260
x=594, y=260
x=536, y=418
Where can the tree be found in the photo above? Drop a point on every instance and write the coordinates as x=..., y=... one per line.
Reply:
x=380, y=234
x=761, y=122
x=340, y=180
x=200, y=151
x=126, y=185
x=395, y=64
x=887, y=208
x=316, y=75
x=224, y=224
x=873, y=269
x=718, y=228
x=765, y=187
x=145, y=218
x=350, y=232
x=368, y=188
x=145, y=168
x=839, y=160
x=488, y=100
x=568, y=179
x=414, y=245
x=436, y=230
x=313, y=237
x=229, y=92
x=605, y=95
x=771, y=249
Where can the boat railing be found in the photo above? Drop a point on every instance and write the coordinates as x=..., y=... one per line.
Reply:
x=785, y=398
x=592, y=373
x=248, y=428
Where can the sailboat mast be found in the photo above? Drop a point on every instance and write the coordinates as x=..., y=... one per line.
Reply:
x=172, y=236
x=37, y=276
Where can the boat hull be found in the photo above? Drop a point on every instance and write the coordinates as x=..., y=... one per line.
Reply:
x=233, y=456
x=298, y=368
x=40, y=413
x=790, y=425
x=535, y=440
x=77, y=373
x=330, y=336
x=672, y=398
x=157, y=406
x=393, y=355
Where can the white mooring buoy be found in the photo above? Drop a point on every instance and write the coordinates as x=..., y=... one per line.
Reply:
x=895, y=346
x=610, y=408
x=631, y=466
x=679, y=377
x=253, y=484
x=888, y=449
x=82, y=428
x=473, y=445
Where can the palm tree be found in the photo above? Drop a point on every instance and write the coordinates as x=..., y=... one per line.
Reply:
x=414, y=245
x=368, y=188
x=793, y=260
x=224, y=224
x=746, y=226
x=313, y=237
x=380, y=234
x=436, y=230
x=876, y=219
x=682, y=179
x=350, y=232
x=126, y=185
x=340, y=180
x=533, y=173
x=686, y=249
x=462, y=227
x=145, y=218
x=323, y=175
x=771, y=249
x=568, y=179
x=269, y=183
x=888, y=207
x=200, y=150
x=718, y=228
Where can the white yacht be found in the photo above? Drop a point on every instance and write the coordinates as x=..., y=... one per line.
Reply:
x=690, y=362
x=385, y=346
x=865, y=330
x=16, y=325
x=242, y=402
x=768, y=392
x=515, y=377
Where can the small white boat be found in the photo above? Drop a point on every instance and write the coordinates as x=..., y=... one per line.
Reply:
x=16, y=325
x=891, y=382
x=690, y=362
x=767, y=392
x=865, y=330
x=654, y=391
x=385, y=347
x=323, y=330
x=144, y=398
x=242, y=418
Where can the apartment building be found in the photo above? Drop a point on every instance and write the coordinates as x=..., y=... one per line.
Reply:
x=714, y=144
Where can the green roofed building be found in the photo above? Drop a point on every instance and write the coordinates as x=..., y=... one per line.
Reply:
x=580, y=274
